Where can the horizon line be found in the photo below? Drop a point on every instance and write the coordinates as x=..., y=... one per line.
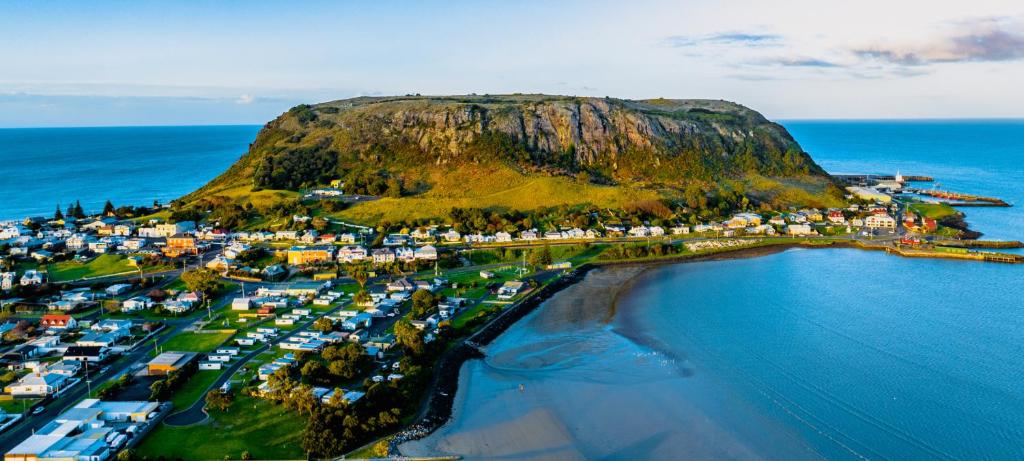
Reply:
x=784, y=119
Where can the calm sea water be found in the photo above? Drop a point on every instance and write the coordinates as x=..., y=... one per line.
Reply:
x=983, y=157
x=42, y=167
x=804, y=354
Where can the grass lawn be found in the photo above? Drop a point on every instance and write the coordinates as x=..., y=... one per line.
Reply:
x=103, y=265
x=16, y=406
x=194, y=389
x=195, y=342
x=933, y=210
x=267, y=431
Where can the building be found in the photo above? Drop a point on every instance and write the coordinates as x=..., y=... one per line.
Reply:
x=799, y=229
x=39, y=384
x=383, y=256
x=427, y=252
x=299, y=255
x=180, y=245
x=880, y=221
x=137, y=303
x=58, y=321
x=92, y=354
x=869, y=194
x=117, y=289
x=168, y=362
x=510, y=289
x=81, y=433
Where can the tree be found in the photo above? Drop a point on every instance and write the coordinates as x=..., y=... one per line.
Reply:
x=203, y=281
x=313, y=371
x=409, y=337
x=323, y=324
x=57, y=215
x=304, y=400
x=108, y=209
x=246, y=455
x=319, y=223
x=127, y=455
x=79, y=213
x=361, y=277
x=319, y=438
x=422, y=302
x=541, y=257
x=348, y=360
x=218, y=400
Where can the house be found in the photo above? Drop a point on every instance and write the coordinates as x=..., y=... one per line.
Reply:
x=101, y=339
x=227, y=350
x=383, y=256
x=405, y=254
x=487, y=275
x=402, y=284
x=799, y=229
x=427, y=252
x=510, y=289
x=679, y=230
x=880, y=221
x=171, y=229
x=117, y=289
x=7, y=280
x=639, y=231
x=528, y=235
x=37, y=384
x=274, y=272
x=32, y=277
x=137, y=303
x=58, y=321
x=394, y=240
x=112, y=325
x=241, y=304
x=352, y=253
x=836, y=217
x=299, y=255
x=361, y=320
x=92, y=354
x=180, y=245
x=502, y=237
x=168, y=362
x=452, y=236
x=67, y=368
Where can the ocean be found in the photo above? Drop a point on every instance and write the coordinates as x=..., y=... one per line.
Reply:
x=802, y=354
x=43, y=167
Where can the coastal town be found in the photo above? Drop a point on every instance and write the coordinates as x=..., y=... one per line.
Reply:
x=122, y=334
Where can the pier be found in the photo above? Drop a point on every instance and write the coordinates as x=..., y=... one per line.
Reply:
x=960, y=199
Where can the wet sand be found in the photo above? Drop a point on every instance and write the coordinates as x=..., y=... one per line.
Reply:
x=570, y=382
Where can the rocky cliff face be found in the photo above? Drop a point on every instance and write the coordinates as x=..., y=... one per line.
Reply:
x=611, y=140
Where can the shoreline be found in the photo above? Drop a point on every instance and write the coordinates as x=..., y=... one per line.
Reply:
x=439, y=404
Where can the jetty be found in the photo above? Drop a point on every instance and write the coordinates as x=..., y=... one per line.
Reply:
x=866, y=178
x=961, y=199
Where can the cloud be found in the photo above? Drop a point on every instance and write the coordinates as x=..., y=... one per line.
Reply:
x=245, y=99
x=723, y=38
x=799, y=62
x=987, y=40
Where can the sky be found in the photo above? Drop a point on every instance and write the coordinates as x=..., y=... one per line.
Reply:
x=226, y=62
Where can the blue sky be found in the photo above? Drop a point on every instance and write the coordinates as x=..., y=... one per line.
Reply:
x=145, y=63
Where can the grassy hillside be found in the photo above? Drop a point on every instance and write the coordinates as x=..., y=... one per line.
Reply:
x=427, y=155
